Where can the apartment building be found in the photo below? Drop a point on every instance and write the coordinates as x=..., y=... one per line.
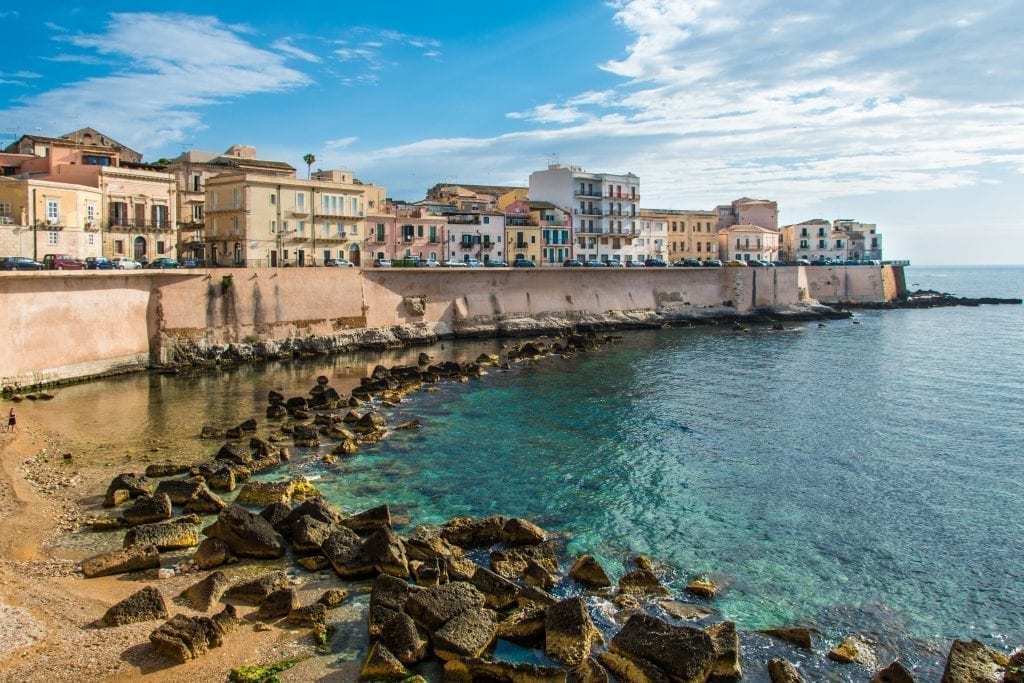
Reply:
x=863, y=239
x=604, y=206
x=262, y=220
x=818, y=240
x=401, y=232
x=538, y=231
x=687, y=233
x=40, y=217
x=136, y=216
x=476, y=235
x=469, y=198
x=748, y=243
x=192, y=170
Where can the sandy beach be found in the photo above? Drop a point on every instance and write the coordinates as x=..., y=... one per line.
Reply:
x=47, y=607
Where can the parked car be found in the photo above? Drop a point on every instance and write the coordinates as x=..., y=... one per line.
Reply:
x=19, y=263
x=474, y=263
x=339, y=263
x=713, y=263
x=453, y=263
x=125, y=263
x=428, y=263
x=634, y=263
x=98, y=263
x=571, y=263
x=163, y=263
x=523, y=263
x=690, y=263
x=755, y=263
x=62, y=262
x=656, y=263
x=193, y=263
x=613, y=263
x=593, y=263
x=737, y=263
x=803, y=262
x=382, y=263
x=496, y=263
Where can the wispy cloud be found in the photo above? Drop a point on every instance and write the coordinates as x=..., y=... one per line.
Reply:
x=285, y=45
x=376, y=50
x=171, y=66
x=719, y=99
x=340, y=143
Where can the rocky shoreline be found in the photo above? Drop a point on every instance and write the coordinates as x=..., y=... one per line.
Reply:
x=441, y=596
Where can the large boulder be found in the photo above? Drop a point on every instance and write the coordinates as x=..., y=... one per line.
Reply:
x=132, y=559
x=569, y=633
x=344, y=549
x=466, y=670
x=432, y=607
x=148, y=509
x=642, y=581
x=894, y=673
x=588, y=571
x=204, y=594
x=794, y=635
x=973, y=662
x=498, y=591
x=467, y=532
x=130, y=484
x=369, y=423
x=405, y=639
x=467, y=634
x=630, y=669
x=278, y=604
x=164, y=535
x=387, y=598
x=781, y=671
x=426, y=543
x=854, y=649
x=369, y=520
x=182, y=638
x=317, y=508
x=309, y=534
x=180, y=491
x=264, y=493
x=246, y=534
x=381, y=665
x=513, y=562
x=684, y=654
x=518, y=531
x=524, y=626
x=144, y=605
x=211, y=553
x=234, y=453
x=385, y=551
x=726, y=642
x=205, y=502
x=166, y=469
x=254, y=591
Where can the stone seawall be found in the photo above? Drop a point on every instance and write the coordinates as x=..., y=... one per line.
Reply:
x=66, y=326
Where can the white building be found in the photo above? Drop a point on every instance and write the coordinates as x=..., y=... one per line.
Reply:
x=605, y=209
x=476, y=235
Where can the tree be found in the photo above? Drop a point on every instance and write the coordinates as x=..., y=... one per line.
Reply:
x=310, y=160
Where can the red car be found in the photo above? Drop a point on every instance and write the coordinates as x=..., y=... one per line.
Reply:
x=62, y=262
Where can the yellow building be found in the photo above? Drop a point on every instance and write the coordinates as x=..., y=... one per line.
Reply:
x=688, y=233
x=39, y=217
x=748, y=243
x=261, y=220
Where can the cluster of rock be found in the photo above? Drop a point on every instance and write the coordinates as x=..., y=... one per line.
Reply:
x=431, y=597
x=929, y=298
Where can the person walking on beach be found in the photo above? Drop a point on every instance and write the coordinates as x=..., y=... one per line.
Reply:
x=11, y=421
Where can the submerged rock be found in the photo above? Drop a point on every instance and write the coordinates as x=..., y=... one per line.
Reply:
x=781, y=671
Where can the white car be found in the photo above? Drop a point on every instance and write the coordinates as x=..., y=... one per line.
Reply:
x=123, y=263
x=474, y=263
x=340, y=263
x=455, y=264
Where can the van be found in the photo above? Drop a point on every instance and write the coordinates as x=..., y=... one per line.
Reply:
x=62, y=262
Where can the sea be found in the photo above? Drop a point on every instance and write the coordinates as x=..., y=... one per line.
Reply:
x=860, y=476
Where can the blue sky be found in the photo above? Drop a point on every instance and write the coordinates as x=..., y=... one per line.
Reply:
x=909, y=115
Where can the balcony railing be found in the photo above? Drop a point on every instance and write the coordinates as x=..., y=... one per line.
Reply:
x=626, y=197
x=596, y=194
x=591, y=211
x=136, y=224
x=340, y=213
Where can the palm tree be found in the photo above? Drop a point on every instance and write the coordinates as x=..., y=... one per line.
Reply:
x=310, y=160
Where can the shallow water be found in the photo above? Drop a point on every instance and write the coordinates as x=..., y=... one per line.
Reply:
x=858, y=476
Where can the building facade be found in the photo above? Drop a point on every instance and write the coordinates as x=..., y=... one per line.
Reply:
x=748, y=243
x=39, y=217
x=476, y=235
x=538, y=231
x=261, y=220
x=404, y=233
x=688, y=233
x=863, y=239
x=605, y=209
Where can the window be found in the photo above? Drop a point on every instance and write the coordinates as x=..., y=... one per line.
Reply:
x=197, y=213
x=118, y=246
x=159, y=213
x=273, y=200
x=273, y=227
x=407, y=233
x=284, y=226
x=487, y=219
x=52, y=211
x=419, y=231
x=5, y=213
x=803, y=244
x=92, y=160
x=433, y=234
x=90, y=213
x=380, y=232
x=236, y=198
x=91, y=239
x=300, y=201
x=301, y=228
x=51, y=237
x=325, y=229
x=196, y=186
x=159, y=247
x=698, y=247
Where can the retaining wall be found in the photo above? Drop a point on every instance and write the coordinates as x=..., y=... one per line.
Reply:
x=57, y=326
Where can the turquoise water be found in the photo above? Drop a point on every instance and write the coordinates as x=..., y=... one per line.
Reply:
x=859, y=476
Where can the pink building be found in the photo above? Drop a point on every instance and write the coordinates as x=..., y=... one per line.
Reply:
x=747, y=211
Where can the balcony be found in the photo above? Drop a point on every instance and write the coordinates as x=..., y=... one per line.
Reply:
x=590, y=211
x=623, y=197
x=340, y=213
x=335, y=237
x=580, y=192
x=522, y=245
x=135, y=224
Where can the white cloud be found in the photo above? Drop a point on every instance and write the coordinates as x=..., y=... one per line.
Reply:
x=171, y=65
x=285, y=45
x=340, y=143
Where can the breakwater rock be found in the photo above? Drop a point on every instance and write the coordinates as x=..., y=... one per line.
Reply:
x=928, y=298
x=189, y=351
